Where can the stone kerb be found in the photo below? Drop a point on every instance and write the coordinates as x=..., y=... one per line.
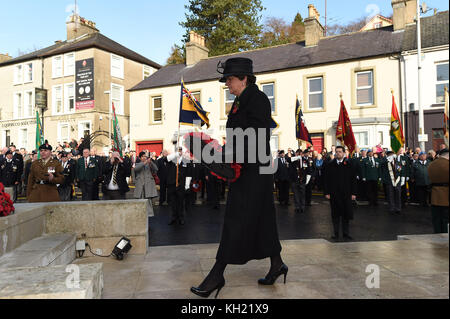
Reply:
x=101, y=223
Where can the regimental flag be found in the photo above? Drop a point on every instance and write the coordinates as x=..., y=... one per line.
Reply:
x=446, y=118
x=117, y=136
x=301, y=132
x=39, y=136
x=190, y=109
x=396, y=131
x=344, y=131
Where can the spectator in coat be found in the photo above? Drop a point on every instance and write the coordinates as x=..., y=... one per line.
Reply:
x=144, y=180
x=162, y=164
x=420, y=176
x=282, y=179
x=115, y=173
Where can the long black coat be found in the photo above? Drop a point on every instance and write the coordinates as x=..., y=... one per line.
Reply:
x=250, y=227
x=340, y=184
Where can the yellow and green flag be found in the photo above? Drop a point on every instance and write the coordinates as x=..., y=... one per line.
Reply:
x=396, y=131
x=39, y=137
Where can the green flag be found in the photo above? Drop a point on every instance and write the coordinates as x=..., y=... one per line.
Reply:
x=39, y=137
x=117, y=137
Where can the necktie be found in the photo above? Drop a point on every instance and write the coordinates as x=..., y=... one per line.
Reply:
x=114, y=175
x=85, y=163
x=373, y=162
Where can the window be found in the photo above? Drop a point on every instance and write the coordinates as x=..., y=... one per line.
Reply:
x=57, y=99
x=57, y=66
x=274, y=143
x=18, y=105
x=63, y=132
x=28, y=110
x=364, y=88
x=377, y=25
x=69, y=64
x=29, y=72
x=362, y=139
x=116, y=66
x=269, y=90
x=23, y=138
x=7, y=137
x=441, y=81
x=18, y=74
x=229, y=99
x=380, y=138
x=117, y=98
x=157, y=109
x=147, y=71
x=69, y=98
x=84, y=128
x=315, y=92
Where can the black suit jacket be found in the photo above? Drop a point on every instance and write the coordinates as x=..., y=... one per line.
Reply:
x=69, y=173
x=340, y=179
x=163, y=169
x=123, y=171
x=19, y=158
x=282, y=173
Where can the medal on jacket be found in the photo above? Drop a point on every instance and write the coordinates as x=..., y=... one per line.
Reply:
x=51, y=170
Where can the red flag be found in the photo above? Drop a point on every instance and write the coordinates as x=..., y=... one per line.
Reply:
x=344, y=131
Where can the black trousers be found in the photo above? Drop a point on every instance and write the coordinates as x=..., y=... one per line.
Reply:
x=362, y=190
x=412, y=192
x=176, y=201
x=95, y=191
x=65, y=192
x=213, y=191
x=422, y=195
x=162, y=192
x=394, y=198
x=308, y=193
x=113, y=195
x=283, y=192
x=372, y=192
x=87, y=190
x=341, y=220
x=299, y=195
x=439, y=216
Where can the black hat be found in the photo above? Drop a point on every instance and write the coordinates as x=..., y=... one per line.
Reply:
x=33, y=152
x=389, y=153
x=8, y=152
x=63, y=154
x=142, y=154
x=45, y=146
x=235, y=66
x=443, y=151
x=280, y=152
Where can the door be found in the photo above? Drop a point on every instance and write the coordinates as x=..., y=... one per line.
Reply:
x=318, y=141
x=151, y=146
x=438, y=138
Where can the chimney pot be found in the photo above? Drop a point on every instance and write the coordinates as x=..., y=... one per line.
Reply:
x=313, y=29
x=195, y=48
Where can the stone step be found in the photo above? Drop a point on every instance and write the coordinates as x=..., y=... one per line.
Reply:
x=56, y=282
x=47, y=250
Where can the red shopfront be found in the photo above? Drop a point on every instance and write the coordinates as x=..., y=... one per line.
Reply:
x=151, y=146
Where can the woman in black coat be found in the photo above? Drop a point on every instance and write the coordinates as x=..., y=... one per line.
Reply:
x=250, y=228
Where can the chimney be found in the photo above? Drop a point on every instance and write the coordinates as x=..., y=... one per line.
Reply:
x=195, y=48
x=313, y=29
x=78, y=26
x=5, y=57
x=405, y=12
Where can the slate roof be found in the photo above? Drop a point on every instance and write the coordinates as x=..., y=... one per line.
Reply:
x=96, y=40
x=433, y=31
x=358, y=45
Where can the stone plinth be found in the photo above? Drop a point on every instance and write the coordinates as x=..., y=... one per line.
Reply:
x=52, y=282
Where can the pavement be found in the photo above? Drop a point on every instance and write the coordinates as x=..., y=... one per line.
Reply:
x=417, y=267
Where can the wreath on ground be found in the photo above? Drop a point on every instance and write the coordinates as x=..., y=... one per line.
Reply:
x=6, y=204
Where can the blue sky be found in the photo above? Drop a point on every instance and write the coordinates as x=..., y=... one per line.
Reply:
x=149, y=27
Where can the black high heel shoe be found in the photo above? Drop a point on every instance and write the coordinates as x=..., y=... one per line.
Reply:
x=270, y=279
x=206, y=293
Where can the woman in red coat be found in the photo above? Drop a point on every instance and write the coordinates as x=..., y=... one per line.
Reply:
x=250, y=228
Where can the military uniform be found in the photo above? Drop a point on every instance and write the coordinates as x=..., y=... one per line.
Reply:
x=406, y=162
x=10, y=174
x=39, y=188
x=300, y=172
x=358, y=162
x=393, y=175
x=66, y=188
x=438, y=174
x=88, y=172
x=370, y=173
x=308, y=187
x=419, y=173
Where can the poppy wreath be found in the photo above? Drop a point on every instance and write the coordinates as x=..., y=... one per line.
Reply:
x=6, y=204
x=229, y=172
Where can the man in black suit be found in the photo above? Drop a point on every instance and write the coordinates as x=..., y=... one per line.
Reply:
x=300, y=176
x=87, y=173
x=162, y=164
x=115, y=173
x=9, y=172
x=65, y=189
x=340, y=189
x=18, y=158
x=282, y=179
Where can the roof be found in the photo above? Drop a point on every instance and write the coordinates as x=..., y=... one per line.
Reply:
x=351, y=46
x=433, y=31
x=96, y=40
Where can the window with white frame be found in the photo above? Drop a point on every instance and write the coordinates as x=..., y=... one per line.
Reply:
x=229, y=99
x=362, y=138
x=57, y=66
x=441, y=81
x=381, y=137
x=28, y=104
x=23, y=138
x=364, y=88
x=274, y=143
x=315, y=93
x=69, y=98
x=147, y=71
x=116, y=66
x=117, y=98
x=157, y=109
x=69, y=64
x=28, y=72
x=18, y=74
x=84, y=128
x=57, y=99
x=63, y=132
x=269, y=90
x=18, y=105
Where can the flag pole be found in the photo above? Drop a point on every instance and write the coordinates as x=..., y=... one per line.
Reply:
x=178, y=133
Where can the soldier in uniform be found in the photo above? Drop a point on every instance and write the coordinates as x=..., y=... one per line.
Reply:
x=371, y=175
x=282, y=179
x=44, y=175
x=65, y=189
x=300, y=176
x=393, y=174
x=419, y=174
x=405, y=161
x=9, y=172
x=307, y=154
